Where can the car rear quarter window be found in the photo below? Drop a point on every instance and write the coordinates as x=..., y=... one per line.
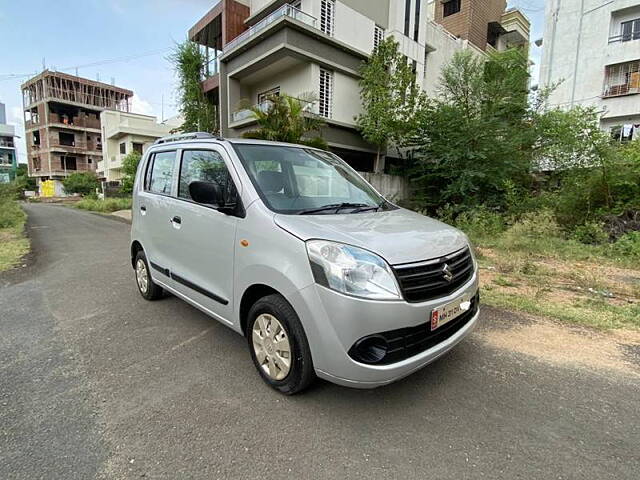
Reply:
x=160, y=176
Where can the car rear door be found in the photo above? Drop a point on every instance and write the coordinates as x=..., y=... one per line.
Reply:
x=154, y=204
x=203, y=236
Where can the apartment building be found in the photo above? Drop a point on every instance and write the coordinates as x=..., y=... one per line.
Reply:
x=258, y=48
x=62, y=124
x=8, y=158
x=123, y=133
x=592, y=51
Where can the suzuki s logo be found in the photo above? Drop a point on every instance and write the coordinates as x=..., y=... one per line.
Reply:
x=447, y=274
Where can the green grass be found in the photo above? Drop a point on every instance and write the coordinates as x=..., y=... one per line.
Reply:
x=104, y=206
x=13, y=244
x=592, y=313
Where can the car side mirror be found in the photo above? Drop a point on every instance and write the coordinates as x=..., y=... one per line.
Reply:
x=206, y=192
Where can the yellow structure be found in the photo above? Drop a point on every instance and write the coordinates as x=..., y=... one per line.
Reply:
x=47, y=188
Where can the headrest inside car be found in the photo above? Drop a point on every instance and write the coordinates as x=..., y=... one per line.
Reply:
x=271, y=182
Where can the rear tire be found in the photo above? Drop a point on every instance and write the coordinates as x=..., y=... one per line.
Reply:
x=278, y=345
x=146, y=286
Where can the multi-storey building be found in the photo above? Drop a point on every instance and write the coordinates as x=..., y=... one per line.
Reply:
x=259, y=48
x=592, y=54
x=62, y=124
x=123, y=133
x=8, y=158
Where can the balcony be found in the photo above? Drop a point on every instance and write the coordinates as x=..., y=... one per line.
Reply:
x=625, y=37
x=285, y=11
x=245, y=114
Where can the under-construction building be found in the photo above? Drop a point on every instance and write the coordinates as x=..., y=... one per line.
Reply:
x=62, y=124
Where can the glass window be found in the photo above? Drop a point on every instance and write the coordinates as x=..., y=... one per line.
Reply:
x=123, y=148
x=295, y=179
x=161, y=173
x=451, y=7
x=203, y=166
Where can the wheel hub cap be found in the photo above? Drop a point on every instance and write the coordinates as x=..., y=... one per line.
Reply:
x=141, y=276
x=271, y=346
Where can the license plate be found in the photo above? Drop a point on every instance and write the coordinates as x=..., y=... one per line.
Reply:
x=449, y=311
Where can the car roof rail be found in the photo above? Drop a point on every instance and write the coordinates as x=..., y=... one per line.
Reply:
x=186, y=136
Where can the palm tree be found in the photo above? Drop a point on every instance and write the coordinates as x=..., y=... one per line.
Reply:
x=283, y=118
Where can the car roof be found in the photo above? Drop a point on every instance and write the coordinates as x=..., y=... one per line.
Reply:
x=175, y=140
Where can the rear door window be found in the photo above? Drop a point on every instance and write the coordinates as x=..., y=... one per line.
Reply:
x=160, y=174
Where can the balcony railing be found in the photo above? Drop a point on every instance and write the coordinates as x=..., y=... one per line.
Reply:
x=247, y=113
x=211, y=68
x=284, y=11
x=625, y=37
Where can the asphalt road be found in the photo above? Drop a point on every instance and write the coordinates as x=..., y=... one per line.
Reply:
x=95, y=382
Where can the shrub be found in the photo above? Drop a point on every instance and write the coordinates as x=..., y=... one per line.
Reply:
x=129, y=168
x=105, y=206
x=480, y=223
x=534, y=229
x=628, y=245
x=11, y=215
x=591, y=233
x=82, y=183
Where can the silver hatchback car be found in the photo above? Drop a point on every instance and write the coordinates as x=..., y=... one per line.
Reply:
x=291, y=248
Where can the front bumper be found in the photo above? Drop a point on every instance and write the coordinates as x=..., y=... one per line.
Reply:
x=334, y=322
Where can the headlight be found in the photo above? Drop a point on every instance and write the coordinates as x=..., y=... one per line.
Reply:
x=351, y=270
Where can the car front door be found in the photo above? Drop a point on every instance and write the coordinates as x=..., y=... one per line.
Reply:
x=204, y=234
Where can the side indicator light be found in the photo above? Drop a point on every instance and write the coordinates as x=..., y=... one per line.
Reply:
x=244, y=243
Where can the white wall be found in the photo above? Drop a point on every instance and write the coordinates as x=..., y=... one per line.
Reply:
x=576, y=55
x=346, y=98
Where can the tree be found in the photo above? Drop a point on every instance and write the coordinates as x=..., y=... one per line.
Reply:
x=477, y=136
x=199, y=113
x=83, y=183
x=390, y=97
x=286, y=119
x=129, y=168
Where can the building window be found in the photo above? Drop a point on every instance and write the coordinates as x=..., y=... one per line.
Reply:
x=326, y=93
x=625, y=133
x=137, y=147
x=630, y=30
x=67, y=139
x=622, y=79
x=378, y=36
x=89, y=161
x=327, y=13
x=264, y=96
x=123, y=148
x=451, y=7
x=407, y=17
x=416, y=26
x=68, y=163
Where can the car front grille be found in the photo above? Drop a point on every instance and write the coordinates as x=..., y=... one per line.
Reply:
x=404, y=343
x=431, y=279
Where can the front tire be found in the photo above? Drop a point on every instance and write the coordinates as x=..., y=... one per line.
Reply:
x=146, y=286
x=278, y=345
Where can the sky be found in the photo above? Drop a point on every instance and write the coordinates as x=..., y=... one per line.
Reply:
x=122, y=40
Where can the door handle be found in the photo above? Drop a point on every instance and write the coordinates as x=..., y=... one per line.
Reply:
x=143, y=208
x=176, y=219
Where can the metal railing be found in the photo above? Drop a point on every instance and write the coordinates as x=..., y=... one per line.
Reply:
x=284, y=11
x=247, y=113
x=211, y=68
x=625, y=37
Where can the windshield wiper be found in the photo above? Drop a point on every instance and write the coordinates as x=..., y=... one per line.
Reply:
x=333, y=206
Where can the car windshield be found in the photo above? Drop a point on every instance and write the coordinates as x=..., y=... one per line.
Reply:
x=298, y=180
